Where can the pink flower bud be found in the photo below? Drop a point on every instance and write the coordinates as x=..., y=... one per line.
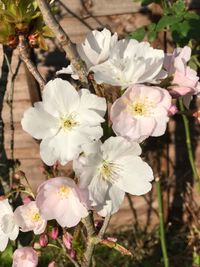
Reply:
x=172, y=110
x=54, y=233
x=197, y=115
x=72, y=254
x=52, y=264
x=67, y=240
x=26, y=200
x=43, y=240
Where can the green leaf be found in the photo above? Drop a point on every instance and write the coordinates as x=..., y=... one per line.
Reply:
x=179, y=7
x=151, y=26
x=152, y=36
x=167, y=21
x=138, y=34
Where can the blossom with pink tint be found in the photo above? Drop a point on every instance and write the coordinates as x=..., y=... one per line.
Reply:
x=63, y=194
x=185, y=80
x=142, y=111
x=67, y=240
x=25, y=257
x=28, y=218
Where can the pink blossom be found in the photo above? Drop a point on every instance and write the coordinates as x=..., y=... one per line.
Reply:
x=25, y=257
x=185, y=80
x=142, y=111
x=60, y=199
x=28, y=218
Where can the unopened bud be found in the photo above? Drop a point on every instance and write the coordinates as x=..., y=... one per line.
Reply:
x=43, y=240
x=72, y=254
x=52, y=264
x=67, y=240
x=54, y=233
x=19, y=175
x=197, y=115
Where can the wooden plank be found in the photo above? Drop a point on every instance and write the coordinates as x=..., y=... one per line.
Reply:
x=101, y=7
x=77, y=30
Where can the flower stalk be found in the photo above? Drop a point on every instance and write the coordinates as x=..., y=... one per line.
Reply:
x=189, y=144
x=161, y=223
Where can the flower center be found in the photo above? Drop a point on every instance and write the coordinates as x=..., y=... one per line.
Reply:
x=64, y=191
x=141, y=107
x=109, y=171
x=67, y=122
x=35, y=217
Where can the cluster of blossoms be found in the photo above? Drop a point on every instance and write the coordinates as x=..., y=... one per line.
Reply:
x=69, y=124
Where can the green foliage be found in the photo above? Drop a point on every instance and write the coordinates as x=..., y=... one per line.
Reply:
x=177, y=20
x=22, y=17
x=6, y=256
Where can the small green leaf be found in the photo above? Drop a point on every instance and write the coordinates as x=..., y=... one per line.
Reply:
x=138, y=34
x=151, y=27
x=167, y=21
x=152, y=36
x=179, y=7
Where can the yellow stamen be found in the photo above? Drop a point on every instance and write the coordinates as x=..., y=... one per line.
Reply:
x=67, y=123
x=36, y=217
x=64, y=191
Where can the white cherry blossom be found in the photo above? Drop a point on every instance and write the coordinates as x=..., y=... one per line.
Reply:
x=64, y=120
x=130, y=62
x=109, y=170
x=97, y=47
x=8, y=227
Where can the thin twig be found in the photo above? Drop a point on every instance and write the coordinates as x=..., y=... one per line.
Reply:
x=64, y=40
x=24, y=54
x=104, y=227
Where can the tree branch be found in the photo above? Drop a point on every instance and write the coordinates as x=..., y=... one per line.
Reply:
x=64, y=40
x=24, y=54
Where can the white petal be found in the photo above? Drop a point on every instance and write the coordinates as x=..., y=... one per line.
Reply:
x=112, y=205
x=38, y=123
x=98, y=190
x=92, y=102
x=14, y=233
x=136, y=176
x=60, y=98
x=116, y=147
x=3, y=241
x=69, y=70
